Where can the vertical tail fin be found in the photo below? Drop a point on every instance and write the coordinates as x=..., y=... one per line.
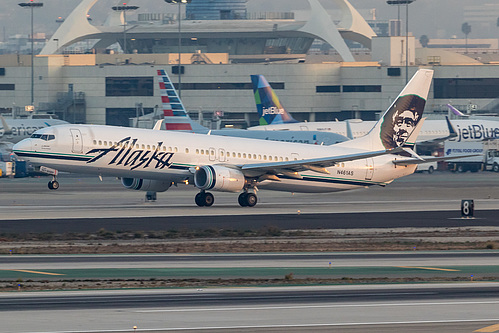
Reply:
x=456, y=111
x=268, y=106
x=175, y=116
x=398, y=122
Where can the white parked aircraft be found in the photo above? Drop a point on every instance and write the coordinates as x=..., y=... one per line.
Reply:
x=475, y=129
x=153, y=160
x=15, y=130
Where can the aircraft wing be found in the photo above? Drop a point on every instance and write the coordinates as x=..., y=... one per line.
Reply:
x=315, y=164
x=412, y=161
x=452, y=134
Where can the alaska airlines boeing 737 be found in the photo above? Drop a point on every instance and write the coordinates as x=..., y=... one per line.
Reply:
x=274, y=117
x=153, y=160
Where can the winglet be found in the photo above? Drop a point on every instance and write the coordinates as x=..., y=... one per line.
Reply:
x=349, y=130
x=268, y=105
x=411, y=140
x=6, y=129
x=452, y=130
x=158, y=124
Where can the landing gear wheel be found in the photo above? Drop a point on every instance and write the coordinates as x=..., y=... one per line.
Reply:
x=209, y=199
x=53, y=185
x=204, y=199
x=251, y=200
x=199, y=199
x=242, y=199
x=247, y=199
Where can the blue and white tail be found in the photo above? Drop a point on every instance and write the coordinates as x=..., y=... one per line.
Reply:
x=268, y=105
x=401, y=119
x=175, y=116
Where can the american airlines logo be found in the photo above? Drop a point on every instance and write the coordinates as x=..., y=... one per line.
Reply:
x=125, y=153
x=272, y=110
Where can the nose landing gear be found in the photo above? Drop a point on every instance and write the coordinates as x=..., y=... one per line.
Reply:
x=53, y=184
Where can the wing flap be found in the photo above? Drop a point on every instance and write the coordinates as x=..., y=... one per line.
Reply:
x=316, y=164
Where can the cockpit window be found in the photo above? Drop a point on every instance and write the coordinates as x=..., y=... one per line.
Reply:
x=45, y=137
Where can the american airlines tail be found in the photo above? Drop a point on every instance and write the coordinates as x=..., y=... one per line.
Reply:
x=397, y=124
x=268, y=106
x=175, y=116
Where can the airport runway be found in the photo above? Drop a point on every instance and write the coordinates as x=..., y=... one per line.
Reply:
x=84, y=204
x=401, y=308
x=427, y=265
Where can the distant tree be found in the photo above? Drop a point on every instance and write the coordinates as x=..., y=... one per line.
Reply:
x=466, y=29
x=424, y=40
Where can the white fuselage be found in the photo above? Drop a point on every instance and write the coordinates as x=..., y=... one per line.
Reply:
x=467, y=129
x=173, y=156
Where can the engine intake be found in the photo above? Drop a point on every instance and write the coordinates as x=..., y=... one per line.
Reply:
x=145, y=184
x=219, y=178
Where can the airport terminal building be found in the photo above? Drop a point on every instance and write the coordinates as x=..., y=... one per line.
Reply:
x=217, y=59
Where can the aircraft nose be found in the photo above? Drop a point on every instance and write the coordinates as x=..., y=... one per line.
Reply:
x=23, y=145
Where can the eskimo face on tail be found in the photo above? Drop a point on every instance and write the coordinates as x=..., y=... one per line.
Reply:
x=400, y=120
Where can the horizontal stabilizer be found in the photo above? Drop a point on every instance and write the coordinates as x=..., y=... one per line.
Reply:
x=412, y=161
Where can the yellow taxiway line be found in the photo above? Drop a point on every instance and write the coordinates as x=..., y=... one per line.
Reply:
x=34, y=272
x=431, y=268
x=493, y=328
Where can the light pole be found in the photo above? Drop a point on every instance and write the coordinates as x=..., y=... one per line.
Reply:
x=179, y=2
x=406, y=3
x=31, y=5
x=124, y=8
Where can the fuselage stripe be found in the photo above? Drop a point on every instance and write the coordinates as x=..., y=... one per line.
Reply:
x=175, y=166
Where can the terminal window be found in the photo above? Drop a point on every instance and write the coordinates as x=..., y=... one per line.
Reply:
x=327, y=89
x=121, y=116
x=129, y=86
x=7, y=86
x=466, y=88
x=367, y=88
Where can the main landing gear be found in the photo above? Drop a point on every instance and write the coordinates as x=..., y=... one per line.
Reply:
x=247, y=199
x=204, y=199
x=53, y=184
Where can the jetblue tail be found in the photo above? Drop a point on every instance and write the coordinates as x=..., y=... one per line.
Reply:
x=395, y=127
x=175, y=116
x=268, y=106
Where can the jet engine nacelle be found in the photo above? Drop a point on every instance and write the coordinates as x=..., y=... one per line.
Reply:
x=145, y=184
x=220, y=178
